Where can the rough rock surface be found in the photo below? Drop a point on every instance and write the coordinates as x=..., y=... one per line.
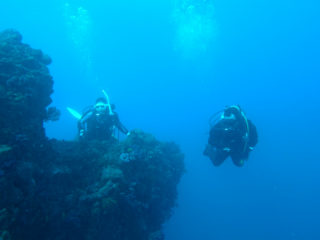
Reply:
x=73, y=190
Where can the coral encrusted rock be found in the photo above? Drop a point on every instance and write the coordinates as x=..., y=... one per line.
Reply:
x=52, y=189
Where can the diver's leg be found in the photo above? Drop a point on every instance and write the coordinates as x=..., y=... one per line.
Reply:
x=237, y=159
x=208, y=150
x=217, y=156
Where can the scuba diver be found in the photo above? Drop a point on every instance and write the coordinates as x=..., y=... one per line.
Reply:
x=232, y=134
x=99, y=122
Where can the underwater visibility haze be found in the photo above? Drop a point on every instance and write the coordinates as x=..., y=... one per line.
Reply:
x=168, y=66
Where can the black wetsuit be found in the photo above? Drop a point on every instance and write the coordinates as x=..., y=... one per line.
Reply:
x=99, y=126
x=233, y=136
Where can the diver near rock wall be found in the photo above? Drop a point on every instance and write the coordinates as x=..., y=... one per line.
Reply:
x=55, y=189
x=99, y=122
x=232, y=134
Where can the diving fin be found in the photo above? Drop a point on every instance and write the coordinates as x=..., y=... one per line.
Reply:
x=74, y=113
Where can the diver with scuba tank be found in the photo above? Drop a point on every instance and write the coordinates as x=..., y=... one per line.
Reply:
x=231, y=134
x=99, y=122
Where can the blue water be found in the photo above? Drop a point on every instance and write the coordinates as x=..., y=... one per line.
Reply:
x=168, y=65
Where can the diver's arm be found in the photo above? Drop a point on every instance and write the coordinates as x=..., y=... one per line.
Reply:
x=253, y=135
x=119, y=125
x=122, y=128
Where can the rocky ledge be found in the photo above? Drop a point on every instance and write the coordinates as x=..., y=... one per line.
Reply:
x=53, y=189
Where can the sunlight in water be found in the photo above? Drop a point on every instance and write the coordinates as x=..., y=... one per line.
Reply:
x=195, y=25
x=78, y=25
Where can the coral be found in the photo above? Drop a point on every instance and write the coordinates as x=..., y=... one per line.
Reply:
x=53, y=114
x=74, y=190
x=25, y=86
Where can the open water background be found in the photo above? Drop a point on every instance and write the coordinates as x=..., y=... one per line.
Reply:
x=168, y=65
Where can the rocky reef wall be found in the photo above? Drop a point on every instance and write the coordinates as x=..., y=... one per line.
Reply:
x=54, y=189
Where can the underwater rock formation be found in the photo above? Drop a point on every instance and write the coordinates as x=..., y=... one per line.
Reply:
x=54, y=189
x=25, y=88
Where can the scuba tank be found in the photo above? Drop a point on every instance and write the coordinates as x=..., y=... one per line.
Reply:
x=247, y=130
x=215, y=118
x=228, y=113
